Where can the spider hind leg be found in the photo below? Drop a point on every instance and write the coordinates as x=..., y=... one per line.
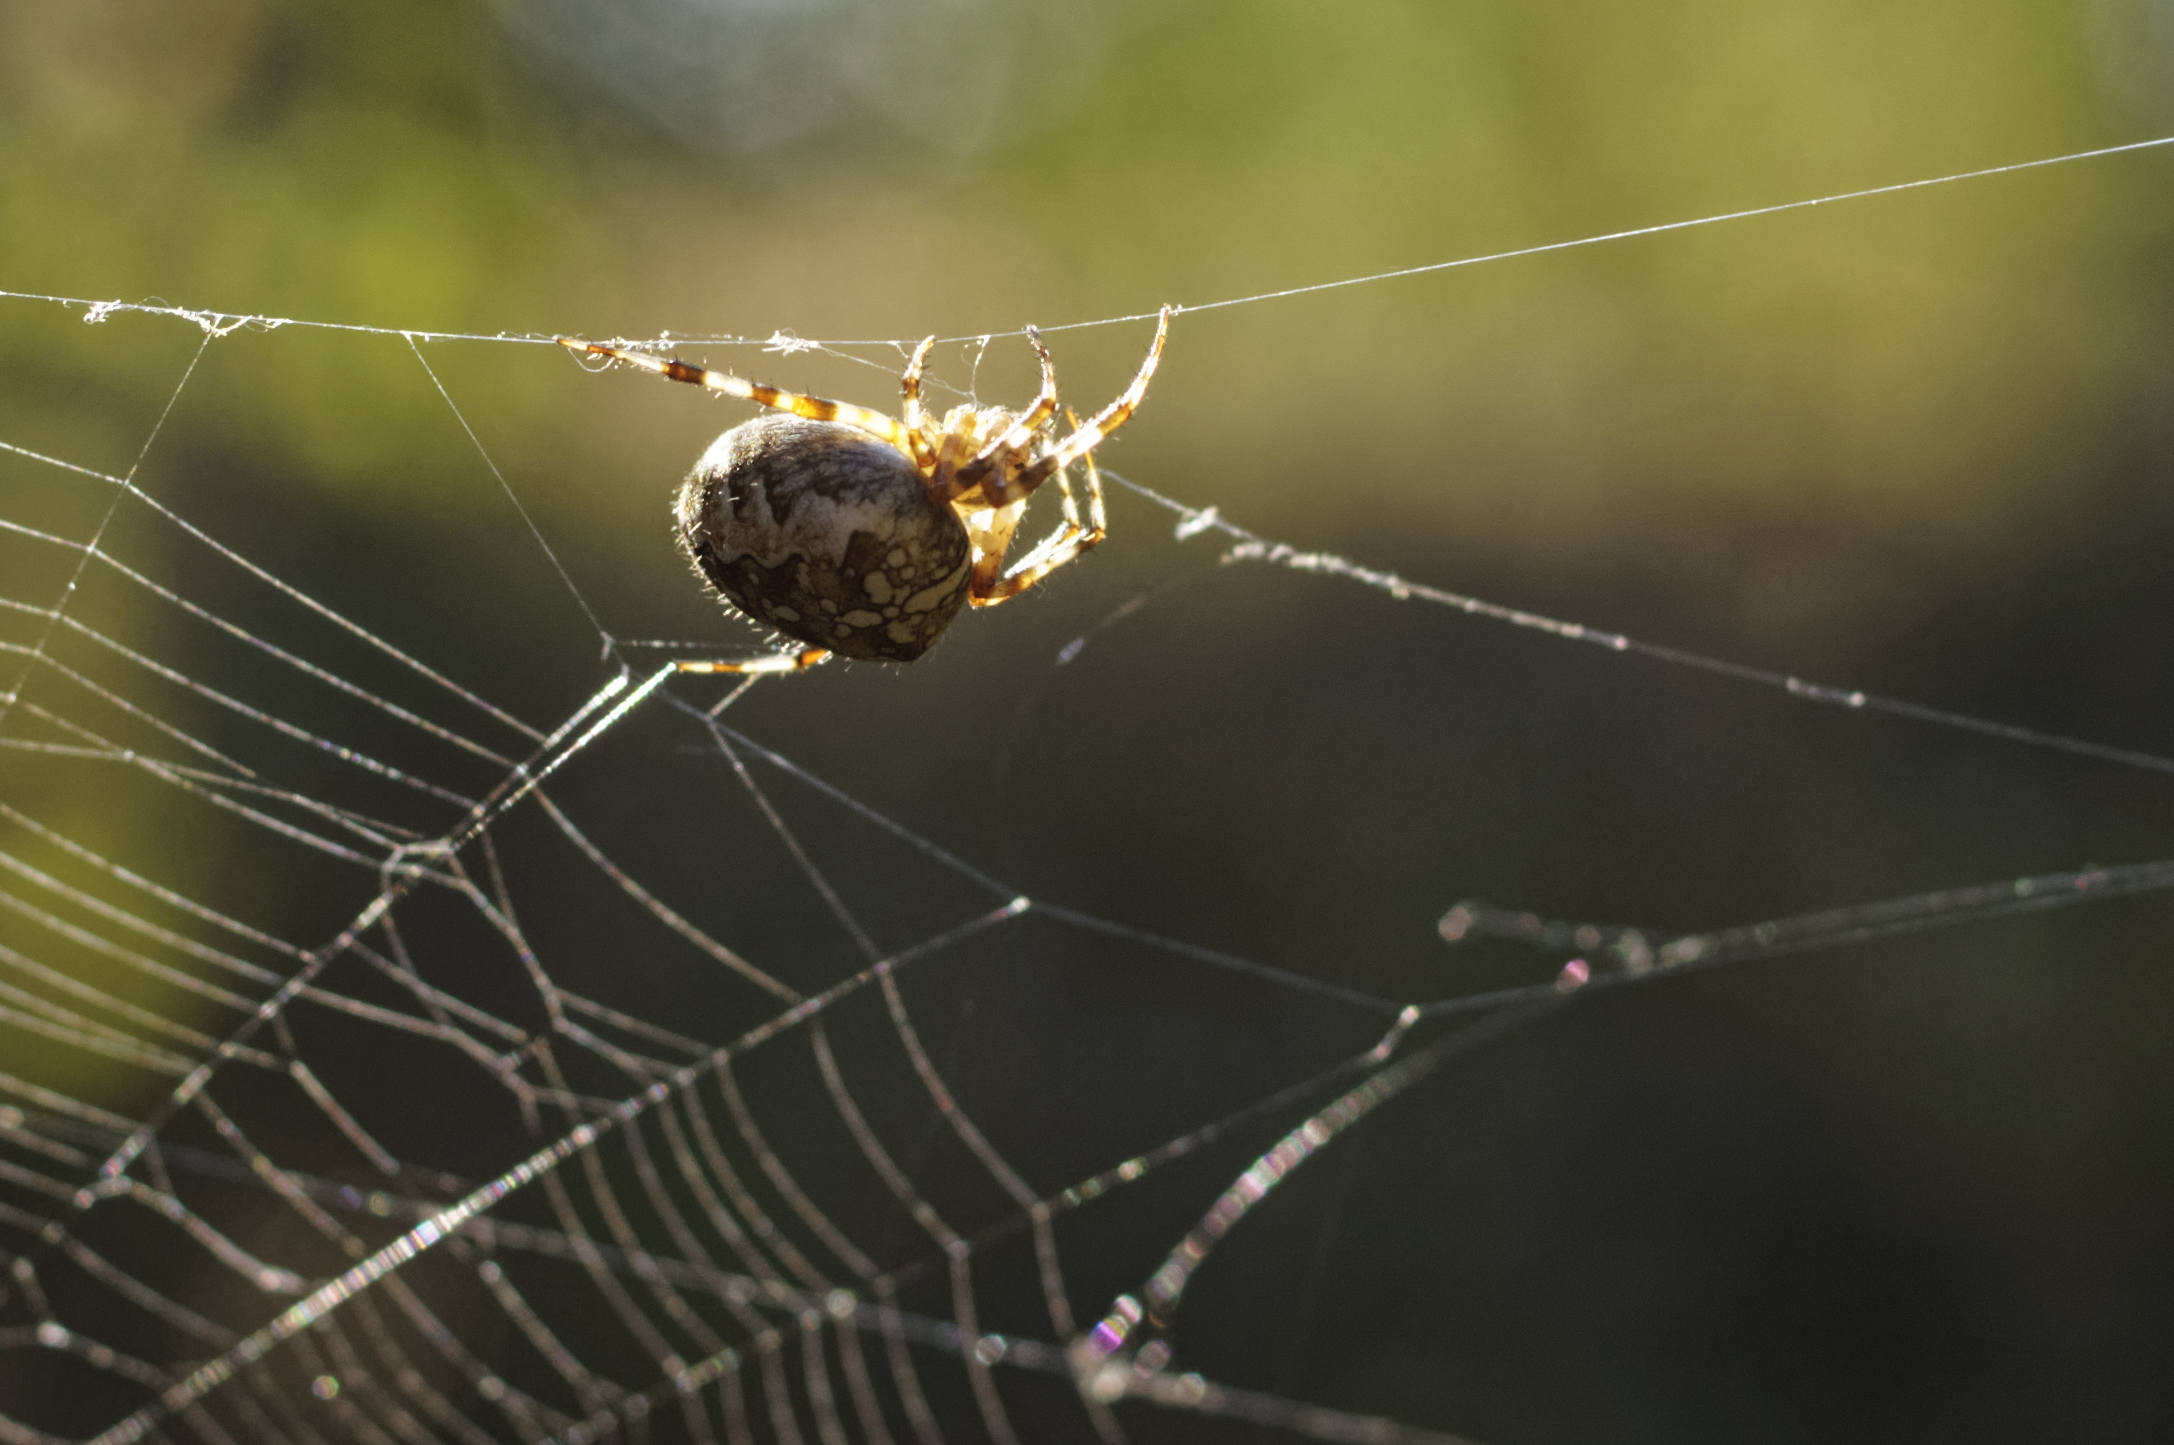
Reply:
x=800, y=661
x=813, y=408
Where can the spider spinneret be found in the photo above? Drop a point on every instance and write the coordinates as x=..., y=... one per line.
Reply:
x=863, y=534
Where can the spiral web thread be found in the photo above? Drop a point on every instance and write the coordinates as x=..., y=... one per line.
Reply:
x=225, y=1217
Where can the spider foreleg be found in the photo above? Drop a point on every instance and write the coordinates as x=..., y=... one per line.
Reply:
x=1085, y=439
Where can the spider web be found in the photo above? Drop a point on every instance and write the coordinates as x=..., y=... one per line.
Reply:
x=389, y=1060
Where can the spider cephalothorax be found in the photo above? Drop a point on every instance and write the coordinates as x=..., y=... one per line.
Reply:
x=863, y=534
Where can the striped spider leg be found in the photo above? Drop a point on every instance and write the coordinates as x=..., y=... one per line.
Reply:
x=1059, y=547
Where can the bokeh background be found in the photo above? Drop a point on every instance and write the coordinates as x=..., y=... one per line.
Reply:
x=1921, y=444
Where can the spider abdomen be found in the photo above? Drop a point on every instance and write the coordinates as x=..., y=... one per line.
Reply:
x=826, y=534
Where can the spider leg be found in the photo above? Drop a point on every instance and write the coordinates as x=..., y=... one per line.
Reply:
x=769, y=662
x=1020, y=434
x=943, y=473
x=989, y=531
x=814, y=408
x=1059, y=547
x=1084, y=439
x=916, y=421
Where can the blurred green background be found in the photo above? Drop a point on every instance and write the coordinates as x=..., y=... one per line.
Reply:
x=1921, y=444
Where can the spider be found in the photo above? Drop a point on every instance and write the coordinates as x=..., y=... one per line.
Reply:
x=862, y=534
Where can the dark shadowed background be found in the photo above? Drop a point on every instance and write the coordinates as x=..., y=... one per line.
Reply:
x=1920, y=444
